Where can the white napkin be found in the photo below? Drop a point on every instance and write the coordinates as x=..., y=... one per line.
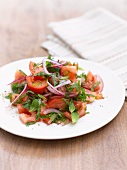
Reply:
x=98, y=35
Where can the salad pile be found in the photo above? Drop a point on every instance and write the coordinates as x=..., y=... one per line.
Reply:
x=54, y=92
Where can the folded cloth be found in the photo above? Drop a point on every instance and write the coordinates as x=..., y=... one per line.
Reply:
x=98, y=35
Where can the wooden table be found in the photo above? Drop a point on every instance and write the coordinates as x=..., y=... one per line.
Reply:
x=23, y=26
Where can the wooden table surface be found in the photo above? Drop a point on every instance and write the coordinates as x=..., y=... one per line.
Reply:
x=23, y=26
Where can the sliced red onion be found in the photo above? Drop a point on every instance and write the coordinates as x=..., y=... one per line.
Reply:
x=50, y=110
x=54, y=90
x=101, y=83
x=44, y=67
x=52, y=61
x=73, y=95
x=25, y=87
x=63, y=84
x=48, y=94
x=60, y=64
x=17, y=80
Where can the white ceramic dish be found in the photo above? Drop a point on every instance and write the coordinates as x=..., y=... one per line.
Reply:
x=101, y=111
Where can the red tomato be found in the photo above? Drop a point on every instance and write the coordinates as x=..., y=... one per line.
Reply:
x=90, y=77
x=26, y=118
x=78, y=104
x=35, y=69
x=56, y=102
x=19, y=75
x=82, y=110
x=67, y=114
x=47, y=121
x=37, y=86
x=14, y=96
x=90, y=81
x=43, y=108
x=21, y=109
x=69, y=71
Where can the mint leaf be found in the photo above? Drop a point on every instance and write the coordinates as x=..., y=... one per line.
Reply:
x=74, y=117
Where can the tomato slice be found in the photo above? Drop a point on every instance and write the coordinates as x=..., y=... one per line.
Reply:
x=19, y=75
x=35, y=69
x=37, y=86
x=67, y=114
x=47, y=121
x=56, y=102
x=26, y=118
x=21, y=109
x=69, y=71
x=82, y=110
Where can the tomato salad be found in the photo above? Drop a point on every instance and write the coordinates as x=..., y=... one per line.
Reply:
x=54, y=92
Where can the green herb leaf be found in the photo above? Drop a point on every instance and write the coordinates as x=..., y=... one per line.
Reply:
x=75, y=85
x=9, y=96
x=50, y=57
x=23, y=72
x=82, y=95
x=83, y=76
x=54, y=80
x=80, y=68
x=17, y=88
x=65, y=101
x=42, y=74
x=30, y=123
x=64, y=78
x=27, y=104
x=90, y=95
x=41, y=96
x=53, y=69
x=71, y=107
x=95, y=85
x=34, y=106
x=37, y=65
x=31, y=92
x=75, y=117
x=20, y=99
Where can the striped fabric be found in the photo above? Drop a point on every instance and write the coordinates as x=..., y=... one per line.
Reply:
x=97, y=35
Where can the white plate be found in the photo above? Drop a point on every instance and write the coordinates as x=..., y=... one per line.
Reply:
x=101, y=111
